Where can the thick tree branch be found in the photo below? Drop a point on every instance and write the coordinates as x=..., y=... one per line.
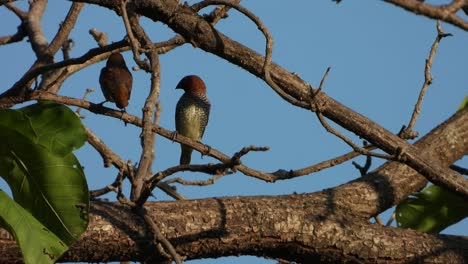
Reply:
x=293, y=227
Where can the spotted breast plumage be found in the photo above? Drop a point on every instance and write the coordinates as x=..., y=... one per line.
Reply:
x=192, y=113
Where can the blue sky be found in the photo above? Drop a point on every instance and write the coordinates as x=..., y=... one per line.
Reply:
x=377, y=54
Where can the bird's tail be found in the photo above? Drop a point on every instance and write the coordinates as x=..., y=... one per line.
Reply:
x=121, y=97
x=185, y=155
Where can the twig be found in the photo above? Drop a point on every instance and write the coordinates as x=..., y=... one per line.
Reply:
x=17, y=11
x=158, y=236
x=218, y=13
x=349, y=141
x=65, y=28
x=407, y=132
x=85, y=96
x=315, y=105
x=363, y=169
x=134, y=43
x=171, y=191
x=322, y=82
x=67, y=47
x=116, y=186
x=283, y=174
x=210, y=181
x=17, y=37
x=108, y=156
x=99, y=37
x=150, y=116
x=214, y=169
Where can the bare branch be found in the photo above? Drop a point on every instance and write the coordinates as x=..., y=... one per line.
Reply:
x=407, y=132
x=85, y=97
x=147, y=135
x=17, y=11
x=210, y=181
x=364, y=169
x=134, y=43
x=5, y=2
x=33, y=26
x=218, y=170
x=17, y=37
x=99, y=37
x=158, y=236
x=445, y=13
x=108, y=156
x=65, y=28
x=349, y=141
x=116, y=186
x=218, y=13
x=318, y=112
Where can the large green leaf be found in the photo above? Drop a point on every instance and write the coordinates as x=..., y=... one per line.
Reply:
x=37, y=243
x=51, y=125
x=50, y=186
x=431, y=210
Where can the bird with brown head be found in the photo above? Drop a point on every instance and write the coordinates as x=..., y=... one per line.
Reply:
x=116, y=81
x=192, y=113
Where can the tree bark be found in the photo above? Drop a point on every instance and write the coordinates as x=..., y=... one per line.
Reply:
x=292, y=227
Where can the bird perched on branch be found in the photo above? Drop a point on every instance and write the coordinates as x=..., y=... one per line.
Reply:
x=192, y=112
x=116, y=81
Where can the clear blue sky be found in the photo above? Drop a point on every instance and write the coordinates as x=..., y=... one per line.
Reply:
x=376, y=51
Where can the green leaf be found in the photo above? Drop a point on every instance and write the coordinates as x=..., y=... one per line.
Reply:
x=431, y=210
x=464, y=103
x=51, y=187
x=51, y=125
x=45, y=247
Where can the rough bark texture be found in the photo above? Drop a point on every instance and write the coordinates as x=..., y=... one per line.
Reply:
x=292, y=227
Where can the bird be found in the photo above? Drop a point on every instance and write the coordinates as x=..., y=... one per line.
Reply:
x=192, y=113
x=116, y=81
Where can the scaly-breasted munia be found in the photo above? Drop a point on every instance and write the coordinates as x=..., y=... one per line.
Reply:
x=192, y=112
x=116, y=81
